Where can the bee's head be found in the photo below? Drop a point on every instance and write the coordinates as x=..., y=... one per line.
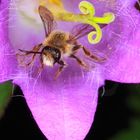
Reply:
x=50, y=55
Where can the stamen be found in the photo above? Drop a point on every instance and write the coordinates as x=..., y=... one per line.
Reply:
x=87, y=17
x=87, y=8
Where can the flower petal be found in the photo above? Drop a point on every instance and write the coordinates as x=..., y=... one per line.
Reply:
x=123, y=65
x=64, y=109
x=7, y=56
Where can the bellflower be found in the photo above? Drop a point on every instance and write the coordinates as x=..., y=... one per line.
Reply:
x=64, y=108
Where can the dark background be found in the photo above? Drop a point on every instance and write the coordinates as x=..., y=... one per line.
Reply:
x=117, y=116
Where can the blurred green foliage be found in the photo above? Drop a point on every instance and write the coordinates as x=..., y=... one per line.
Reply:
x=133, y=104
x=5, y=95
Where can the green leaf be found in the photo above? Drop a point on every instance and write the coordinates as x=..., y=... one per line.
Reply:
x=5, y=95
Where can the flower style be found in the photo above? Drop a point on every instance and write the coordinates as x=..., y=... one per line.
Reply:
x=64, y=109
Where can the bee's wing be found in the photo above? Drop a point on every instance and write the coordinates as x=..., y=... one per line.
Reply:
x=81, y=30
x=47, y=19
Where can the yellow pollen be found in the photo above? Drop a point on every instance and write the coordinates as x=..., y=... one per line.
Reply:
x=56, y=2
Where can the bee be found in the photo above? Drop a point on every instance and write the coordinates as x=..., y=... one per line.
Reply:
x=59, y=44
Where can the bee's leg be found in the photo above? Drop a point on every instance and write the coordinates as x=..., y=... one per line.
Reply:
x=92, y=56
x=62, y=65
x=19, y=55
x=34, y=51
x=76, y=48
x=80, y=62
x=41, y=66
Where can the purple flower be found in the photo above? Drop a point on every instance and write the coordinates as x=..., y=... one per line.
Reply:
x=64, y=109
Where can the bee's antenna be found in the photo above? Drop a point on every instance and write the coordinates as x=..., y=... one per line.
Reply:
x=28, y=52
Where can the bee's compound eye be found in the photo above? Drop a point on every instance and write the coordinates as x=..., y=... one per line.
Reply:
x=47, y=48
x=54, y=52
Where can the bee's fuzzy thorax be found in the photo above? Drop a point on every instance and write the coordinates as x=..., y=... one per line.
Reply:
x=56, y=38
